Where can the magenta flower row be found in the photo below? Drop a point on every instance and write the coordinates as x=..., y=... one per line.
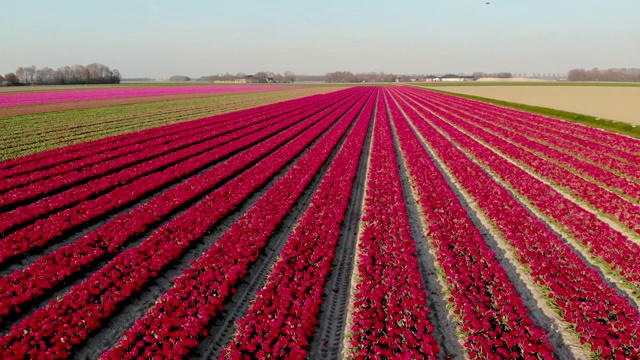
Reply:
x=180, y=318
x=50, y=97
x=605, y=320
x=19, y=287
x=491, y=313
x=585, y=135
x=390, y=315
x=63, y=324
x=283, y=316
x=47, y=159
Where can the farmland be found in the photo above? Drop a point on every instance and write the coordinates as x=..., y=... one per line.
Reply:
x=30, y=129
x=363, y=222
x=607, y=101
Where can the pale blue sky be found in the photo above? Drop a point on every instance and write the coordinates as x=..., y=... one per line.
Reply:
x=160, y=38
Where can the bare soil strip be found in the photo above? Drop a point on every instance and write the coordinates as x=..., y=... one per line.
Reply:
x=327, y=341
x=445, y=331
x=355, y=274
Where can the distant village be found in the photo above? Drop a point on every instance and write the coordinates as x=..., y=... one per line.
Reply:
x=434, y=78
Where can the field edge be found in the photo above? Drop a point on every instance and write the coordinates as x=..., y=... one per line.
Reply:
x=618, y=127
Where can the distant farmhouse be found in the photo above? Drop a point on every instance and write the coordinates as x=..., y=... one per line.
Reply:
x=3, y=82
x=449, y=78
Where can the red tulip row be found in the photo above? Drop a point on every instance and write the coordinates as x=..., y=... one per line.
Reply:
x=56, y=329
x=600, y=198
x=283, y=316
x=586, y=135
x=163, y=136
x=66, y=154
x=566, y=141
x=604, y=320
x=489, y=310
x=57, y=224
x=198, y=295
x=117, y=153
x=186, y=147
x=23, y=286
x=389, y=302
x=561, y=150
x=186, y=160
x=600, y=239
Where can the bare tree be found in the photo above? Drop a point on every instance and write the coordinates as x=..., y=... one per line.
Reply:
x=289, y=76
x=12, y=79
x=261, y=76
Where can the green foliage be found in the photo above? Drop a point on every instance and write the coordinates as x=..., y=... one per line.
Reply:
x=32, y=133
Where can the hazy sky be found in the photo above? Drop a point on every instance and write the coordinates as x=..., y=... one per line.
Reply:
x=160, y=38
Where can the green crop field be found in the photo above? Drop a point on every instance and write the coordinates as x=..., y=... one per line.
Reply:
x=32, y=133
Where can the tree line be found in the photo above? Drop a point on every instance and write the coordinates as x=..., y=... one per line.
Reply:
x=498, y=75
x=349, y=77
x=614, y=75
x=259, y=77
x=77, y=74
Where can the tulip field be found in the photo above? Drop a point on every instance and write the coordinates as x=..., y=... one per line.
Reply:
x=50, y=97
x=368, y=222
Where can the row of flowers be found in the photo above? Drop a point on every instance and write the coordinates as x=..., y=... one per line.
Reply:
x=186, y=146
x=50, y=97
x=133, y=182
x=283, y=316
x=199, y=294
x=118, y=152
x=599, y=164
x=47, y=159
x=23, y=286
x=490, y=312
x=56, y=329
x=608, y=202
x=613, y=248
x=588, y=136
x=390, y=314
x=604, y=320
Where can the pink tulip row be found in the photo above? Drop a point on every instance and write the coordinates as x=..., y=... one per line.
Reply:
x=390, y=314
x=66, y=154
x=20, y=287
x=490, y=311
x=56, y=329
x=586, y=135
x=602, y=241
x=603, y=319
x=134, y=182
x=283, y=316
x=602, y=199
x=50, y=97
x=559, y=148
